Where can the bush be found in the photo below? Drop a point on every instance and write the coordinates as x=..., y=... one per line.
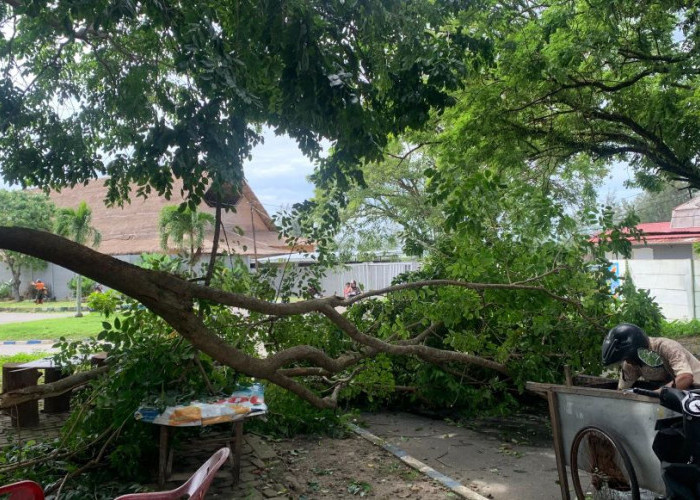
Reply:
x=105, y=303
x=6, y=290
x=87, y=286
x=678, y=328
x=636, y=306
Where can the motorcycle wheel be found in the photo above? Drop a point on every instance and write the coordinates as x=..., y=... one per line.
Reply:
x=600, y=467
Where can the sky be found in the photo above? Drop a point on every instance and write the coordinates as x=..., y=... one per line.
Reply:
x=278, y=174
x=613, y=187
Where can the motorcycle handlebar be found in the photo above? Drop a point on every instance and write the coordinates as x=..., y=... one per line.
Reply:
x=646, y=392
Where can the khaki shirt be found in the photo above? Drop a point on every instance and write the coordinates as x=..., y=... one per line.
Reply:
x=677, y=359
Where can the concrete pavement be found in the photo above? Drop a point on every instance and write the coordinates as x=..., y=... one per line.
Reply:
x=15, y=317
x=498, y=458
x=9, y=350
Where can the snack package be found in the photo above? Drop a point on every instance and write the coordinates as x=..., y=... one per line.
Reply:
x=244, y=401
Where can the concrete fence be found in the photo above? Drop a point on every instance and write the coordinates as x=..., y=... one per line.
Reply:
x=369, y=275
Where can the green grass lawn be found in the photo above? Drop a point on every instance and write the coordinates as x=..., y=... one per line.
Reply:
x=69, y=327
x=30, y=306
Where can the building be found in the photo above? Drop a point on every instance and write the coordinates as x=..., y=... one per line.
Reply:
x=129, y=231
x=664, y=262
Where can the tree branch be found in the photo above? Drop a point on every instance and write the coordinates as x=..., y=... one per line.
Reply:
x=32, y=393
x=173, y=299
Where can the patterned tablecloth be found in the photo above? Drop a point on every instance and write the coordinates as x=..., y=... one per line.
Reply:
x=242, y=403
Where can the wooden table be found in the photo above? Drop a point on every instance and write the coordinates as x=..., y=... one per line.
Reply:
x=234, y=442
x=20, y=375
x=52, y=373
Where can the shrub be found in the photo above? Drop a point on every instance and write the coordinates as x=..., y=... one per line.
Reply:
x=105, y=303
x=5, y=290
x=636, y=306
x=678, y=328
x=87, y=286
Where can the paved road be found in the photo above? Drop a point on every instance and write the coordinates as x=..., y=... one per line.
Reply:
x=9, y=350
x=12, y=317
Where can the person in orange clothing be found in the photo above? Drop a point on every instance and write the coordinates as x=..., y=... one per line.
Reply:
x=40, y=288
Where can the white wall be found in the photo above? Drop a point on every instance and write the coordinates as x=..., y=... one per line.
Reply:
x=57, y=277
x=674, y=284
x=369, y=276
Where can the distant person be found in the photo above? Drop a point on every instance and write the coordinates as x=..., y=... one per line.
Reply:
x=40, y=290
x=347, y=290
x=97, y=288
x=354, y=289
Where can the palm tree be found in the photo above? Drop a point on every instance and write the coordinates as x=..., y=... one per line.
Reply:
x=76, y=225
x=185, y=228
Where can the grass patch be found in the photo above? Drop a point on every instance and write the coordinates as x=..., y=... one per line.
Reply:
x=677, y=328
x=30, y=306
x=71, y=328
x=22, y=357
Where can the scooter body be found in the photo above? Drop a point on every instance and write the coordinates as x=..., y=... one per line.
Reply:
x=677, y=443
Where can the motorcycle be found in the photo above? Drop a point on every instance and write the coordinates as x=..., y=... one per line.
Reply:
x=677, y=442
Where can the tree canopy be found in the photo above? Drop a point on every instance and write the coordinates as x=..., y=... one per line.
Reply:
x=150, y=91
x=521, y=106
x=142, y=91
x=574, y=85
x=23, y=209
x=658, y=206
x=393, y=208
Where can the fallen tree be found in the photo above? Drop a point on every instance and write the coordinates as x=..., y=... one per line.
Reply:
x=173, y=299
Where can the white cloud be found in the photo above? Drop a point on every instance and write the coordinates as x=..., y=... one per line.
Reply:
x=278, y=172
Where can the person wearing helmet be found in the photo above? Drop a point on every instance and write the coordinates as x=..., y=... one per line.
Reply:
x=626, y=342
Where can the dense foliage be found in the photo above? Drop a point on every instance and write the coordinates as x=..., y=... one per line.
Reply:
x=26, y=210
x=542, y=97
x=573, y=85
x=141, y=91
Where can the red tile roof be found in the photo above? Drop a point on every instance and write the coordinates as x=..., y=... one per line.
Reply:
x=661, y=233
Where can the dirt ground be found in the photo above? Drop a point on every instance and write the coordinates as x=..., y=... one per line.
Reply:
x=351, y=468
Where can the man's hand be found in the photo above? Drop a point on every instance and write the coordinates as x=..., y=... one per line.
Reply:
x=683, y=381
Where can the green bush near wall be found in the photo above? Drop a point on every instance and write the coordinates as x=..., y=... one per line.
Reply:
x=678, y=328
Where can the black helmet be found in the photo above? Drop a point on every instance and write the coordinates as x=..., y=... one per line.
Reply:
x=621, y=343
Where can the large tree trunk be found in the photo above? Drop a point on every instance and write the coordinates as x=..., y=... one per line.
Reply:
x=16, y=271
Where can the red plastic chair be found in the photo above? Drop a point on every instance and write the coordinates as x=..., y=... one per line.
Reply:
x=196, y=486
x=23, y=490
